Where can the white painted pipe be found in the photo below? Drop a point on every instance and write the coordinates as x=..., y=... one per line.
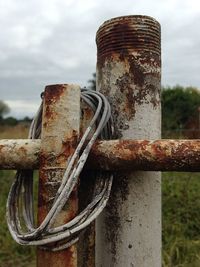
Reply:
x=128, y=233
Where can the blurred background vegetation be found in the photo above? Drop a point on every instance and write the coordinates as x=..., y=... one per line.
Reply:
x=180, y=191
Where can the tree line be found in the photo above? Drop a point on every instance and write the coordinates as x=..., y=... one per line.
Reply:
x=9, y=120
x=181, y=110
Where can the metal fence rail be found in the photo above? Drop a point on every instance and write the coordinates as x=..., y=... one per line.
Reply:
x=152, y=155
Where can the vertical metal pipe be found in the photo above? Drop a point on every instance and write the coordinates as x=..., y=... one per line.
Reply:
x=60, y=132
x=128, y=72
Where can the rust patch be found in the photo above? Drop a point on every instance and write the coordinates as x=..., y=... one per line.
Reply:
x=1, y=148
x=23, y=151
x=50, y=114
x=69, y=144
x=65, y=258
x=54, y=92
x=158, y=152
x=123, y=34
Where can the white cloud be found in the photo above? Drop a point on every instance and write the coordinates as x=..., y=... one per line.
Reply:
x=22, y=108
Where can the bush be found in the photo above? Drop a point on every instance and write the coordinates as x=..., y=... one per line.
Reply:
x=10, y=121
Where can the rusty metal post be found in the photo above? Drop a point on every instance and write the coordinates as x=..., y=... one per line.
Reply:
x=60, y=133
x=128, y=72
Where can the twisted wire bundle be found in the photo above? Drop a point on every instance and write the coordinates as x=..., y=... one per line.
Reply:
x=20, y=211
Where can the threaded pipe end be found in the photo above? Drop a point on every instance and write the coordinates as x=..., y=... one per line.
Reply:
x=128, y=34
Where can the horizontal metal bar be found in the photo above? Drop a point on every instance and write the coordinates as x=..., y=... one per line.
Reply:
x=151, y=155
x=147, y=155
x=19, y=153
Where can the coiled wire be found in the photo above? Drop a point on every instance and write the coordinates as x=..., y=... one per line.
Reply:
x=20, y=211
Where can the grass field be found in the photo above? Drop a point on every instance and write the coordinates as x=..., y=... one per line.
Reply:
x=181, y=218
x=14, y=132
x=11, y=254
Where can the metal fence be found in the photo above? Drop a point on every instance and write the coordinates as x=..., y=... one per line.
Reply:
x=128, y=232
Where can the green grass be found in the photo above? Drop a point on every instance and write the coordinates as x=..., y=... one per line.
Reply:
x=11, y=254
x=181, y=219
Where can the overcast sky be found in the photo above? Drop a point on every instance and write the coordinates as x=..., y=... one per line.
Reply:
x=53, y=41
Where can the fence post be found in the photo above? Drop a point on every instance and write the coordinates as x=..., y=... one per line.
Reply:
x=60, y=132
x=128, y=232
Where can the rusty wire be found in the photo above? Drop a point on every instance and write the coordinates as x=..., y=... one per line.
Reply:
x=20, y=212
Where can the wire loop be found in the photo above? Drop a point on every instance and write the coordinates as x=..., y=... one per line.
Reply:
x=45, y=235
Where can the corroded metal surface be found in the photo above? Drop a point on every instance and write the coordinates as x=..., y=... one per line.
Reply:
x=149, y=155
x=146, y=155
x=19, y=154
x=60, y=132
x=128, y=72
